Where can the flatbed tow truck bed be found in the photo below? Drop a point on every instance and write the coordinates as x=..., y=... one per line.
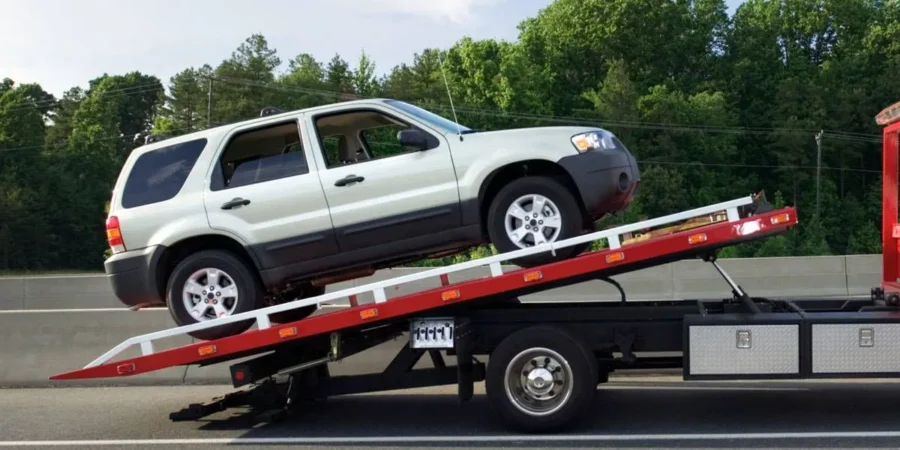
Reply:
x=546, y=360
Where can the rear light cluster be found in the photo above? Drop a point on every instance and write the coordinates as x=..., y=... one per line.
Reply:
x=114, y=235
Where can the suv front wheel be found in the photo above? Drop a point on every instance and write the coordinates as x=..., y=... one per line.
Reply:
x=212, y=284
x=532, y=211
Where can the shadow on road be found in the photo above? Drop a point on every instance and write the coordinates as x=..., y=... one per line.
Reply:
x=637, y=411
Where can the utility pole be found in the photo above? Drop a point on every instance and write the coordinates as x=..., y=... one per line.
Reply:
x=209, y=105
x=818, y=168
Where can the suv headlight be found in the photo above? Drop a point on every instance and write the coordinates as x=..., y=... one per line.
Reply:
x=593, y=140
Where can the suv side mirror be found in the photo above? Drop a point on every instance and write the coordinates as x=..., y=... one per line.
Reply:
x=412, y=138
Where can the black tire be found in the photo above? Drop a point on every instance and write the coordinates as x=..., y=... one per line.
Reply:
x=249, y=291
x=582, y=375
x=569, y=210
x=306, y=291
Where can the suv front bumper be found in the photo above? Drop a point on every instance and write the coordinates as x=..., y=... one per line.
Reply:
x=606, y=179
x=132, y=276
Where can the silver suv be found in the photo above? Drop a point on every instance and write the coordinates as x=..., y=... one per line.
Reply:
x=273, y=209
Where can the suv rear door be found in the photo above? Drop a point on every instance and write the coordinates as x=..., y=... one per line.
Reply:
x=263, y=190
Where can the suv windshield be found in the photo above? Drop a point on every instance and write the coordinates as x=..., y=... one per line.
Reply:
x=429, y=117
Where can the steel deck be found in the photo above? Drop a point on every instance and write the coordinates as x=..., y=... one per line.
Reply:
x=702, y=230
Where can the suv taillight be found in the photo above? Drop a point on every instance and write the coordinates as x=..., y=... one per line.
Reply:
x=114, y=235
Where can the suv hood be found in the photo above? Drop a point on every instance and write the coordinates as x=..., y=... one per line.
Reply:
x=536, y=138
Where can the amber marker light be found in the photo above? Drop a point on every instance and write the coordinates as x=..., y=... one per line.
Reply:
x=698, y=238
x=533, y=276
x=615, y=257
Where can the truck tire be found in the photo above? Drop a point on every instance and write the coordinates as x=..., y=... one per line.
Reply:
x=211, y=284
x=560, y=218
x=541, y=379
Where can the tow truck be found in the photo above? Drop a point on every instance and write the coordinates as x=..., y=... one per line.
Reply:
x=541, y=363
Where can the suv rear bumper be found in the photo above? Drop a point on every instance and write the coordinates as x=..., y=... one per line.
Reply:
x=132, y=276
x=606, y=179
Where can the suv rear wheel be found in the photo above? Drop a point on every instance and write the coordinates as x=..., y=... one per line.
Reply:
x=532, y=211
x=212, y=284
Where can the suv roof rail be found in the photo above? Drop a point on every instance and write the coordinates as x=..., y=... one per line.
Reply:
x=151, y=138
x=269, y=111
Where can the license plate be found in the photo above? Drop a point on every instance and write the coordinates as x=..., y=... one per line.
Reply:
x=431, y=333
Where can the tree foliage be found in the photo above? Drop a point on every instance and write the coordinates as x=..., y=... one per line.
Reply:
x=713, y=106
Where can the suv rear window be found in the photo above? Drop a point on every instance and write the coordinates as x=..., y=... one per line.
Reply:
x=158, y=175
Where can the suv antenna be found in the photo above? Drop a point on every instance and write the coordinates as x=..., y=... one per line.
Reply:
x=452, y=108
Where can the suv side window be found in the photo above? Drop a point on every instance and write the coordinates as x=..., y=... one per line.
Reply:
x=158, y=175
x=259, y=155
x=359, y=135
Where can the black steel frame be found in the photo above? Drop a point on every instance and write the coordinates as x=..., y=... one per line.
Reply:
x=605, y=327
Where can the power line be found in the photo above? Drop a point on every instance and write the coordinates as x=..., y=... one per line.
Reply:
x=63, y=143
x=537, y=117
x=123, y=92
x=704, y=128
x=860, y=137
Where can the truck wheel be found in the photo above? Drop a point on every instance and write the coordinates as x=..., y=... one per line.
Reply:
x=212, y=284
x=533, y=211
x=306, y=291
x=541, y=378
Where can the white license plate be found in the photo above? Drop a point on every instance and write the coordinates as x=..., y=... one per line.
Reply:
x=431, y=333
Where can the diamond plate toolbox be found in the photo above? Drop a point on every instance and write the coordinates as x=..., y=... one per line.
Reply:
x=855, y=348
x=749, y=350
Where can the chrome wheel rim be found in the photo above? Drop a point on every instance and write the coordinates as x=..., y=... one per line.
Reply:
x=532, y=220
x=210, y=294
x=538, y=381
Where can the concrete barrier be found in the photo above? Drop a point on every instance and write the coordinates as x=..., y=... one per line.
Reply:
x=827, y=275
x=53, y=324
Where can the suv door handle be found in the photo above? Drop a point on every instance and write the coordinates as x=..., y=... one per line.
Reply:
x=235, y=202
x=349, y=179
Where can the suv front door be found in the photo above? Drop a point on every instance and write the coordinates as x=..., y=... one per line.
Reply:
x=264, y=191
x=399, y=199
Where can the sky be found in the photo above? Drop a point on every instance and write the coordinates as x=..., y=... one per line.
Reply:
x=64, y=43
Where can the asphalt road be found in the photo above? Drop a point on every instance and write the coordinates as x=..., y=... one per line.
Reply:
x=638, y=413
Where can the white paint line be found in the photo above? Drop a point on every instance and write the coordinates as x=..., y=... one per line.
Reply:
x=698, y=388
x=76, y=310
x=456, y=439
x=50, y=276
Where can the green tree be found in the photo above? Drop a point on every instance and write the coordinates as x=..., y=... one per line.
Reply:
x=186, y=108
x=244, y=82
x=22, y=133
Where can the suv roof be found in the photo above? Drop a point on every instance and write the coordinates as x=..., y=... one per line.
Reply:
x=221, y=129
